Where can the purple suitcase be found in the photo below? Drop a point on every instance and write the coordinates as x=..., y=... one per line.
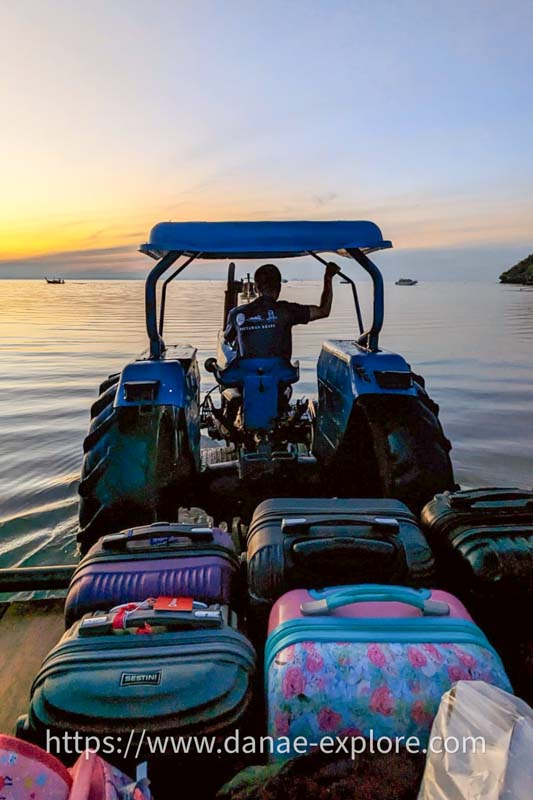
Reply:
x=163, y=559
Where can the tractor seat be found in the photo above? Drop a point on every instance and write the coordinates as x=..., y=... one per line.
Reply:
x=237, y=372
x=260, y=381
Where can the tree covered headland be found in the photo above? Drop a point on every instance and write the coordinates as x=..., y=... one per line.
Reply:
x=520, y=273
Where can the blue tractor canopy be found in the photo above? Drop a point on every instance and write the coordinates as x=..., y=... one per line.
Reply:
x=250, y=240
x=262, y=239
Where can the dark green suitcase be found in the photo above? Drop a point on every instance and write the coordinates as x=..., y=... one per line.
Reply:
x=483, y=542
x=193, y=674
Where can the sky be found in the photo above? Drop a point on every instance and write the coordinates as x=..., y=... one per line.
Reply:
x=117, y=114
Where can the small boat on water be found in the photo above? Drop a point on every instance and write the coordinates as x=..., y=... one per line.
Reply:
x=406, y=282
x=54, y=280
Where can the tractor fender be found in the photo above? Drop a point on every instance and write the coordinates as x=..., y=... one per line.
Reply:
x=152, y=383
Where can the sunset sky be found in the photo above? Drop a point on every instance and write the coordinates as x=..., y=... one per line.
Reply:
x=116, y=114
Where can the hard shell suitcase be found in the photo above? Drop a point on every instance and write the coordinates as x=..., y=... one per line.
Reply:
x=190, y=672
x=368, y=660
x=296, y=542
x=160, y=559
x=484, y=539
x=484, y=542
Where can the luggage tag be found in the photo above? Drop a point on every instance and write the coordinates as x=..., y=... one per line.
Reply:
x=172, y=540
x=96, y=626
x=189, y=610
x=176, y=604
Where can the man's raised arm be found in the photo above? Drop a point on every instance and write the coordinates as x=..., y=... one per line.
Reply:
x=324, y=309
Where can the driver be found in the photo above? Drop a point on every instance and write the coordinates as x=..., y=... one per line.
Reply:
x=263, y=328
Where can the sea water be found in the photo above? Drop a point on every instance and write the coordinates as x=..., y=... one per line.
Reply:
x=473, y=343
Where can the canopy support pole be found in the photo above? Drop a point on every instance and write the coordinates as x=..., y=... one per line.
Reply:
x=349, y=280
x=156, y=342
x=370, y=338
x=164, y=290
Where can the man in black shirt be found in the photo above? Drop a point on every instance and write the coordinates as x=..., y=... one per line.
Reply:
x=263, y=328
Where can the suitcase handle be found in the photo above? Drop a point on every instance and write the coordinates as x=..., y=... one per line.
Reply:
x=102, y=624
x=347, y=546
x=373, y=592
x=470, y=498
x=194, y=533
x=303, y=525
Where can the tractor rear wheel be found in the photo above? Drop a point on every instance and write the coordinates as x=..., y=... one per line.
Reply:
x=395, y=447
x=411, y=451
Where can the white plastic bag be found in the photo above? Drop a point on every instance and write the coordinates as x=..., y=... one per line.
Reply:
x=492, y=732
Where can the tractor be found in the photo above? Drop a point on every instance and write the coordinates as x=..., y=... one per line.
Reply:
x=371, y=431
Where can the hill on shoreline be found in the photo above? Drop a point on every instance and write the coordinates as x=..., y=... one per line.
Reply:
x=520, y=273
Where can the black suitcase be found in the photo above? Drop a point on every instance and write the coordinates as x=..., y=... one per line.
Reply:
x=295, y=543
x=483, y=541
x=190, y=673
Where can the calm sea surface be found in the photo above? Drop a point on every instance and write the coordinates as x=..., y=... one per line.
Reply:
x=472, y=342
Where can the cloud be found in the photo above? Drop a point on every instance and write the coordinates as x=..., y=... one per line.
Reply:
x=102, y=262
x=102, y=232
x=325, y=199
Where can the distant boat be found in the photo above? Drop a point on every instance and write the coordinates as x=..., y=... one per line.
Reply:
x=54, y=280
x=406, y=282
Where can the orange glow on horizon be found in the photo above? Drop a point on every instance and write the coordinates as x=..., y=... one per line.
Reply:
x=33, y=225
x=25, y=239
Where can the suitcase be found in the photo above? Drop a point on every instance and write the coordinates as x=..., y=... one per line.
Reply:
x=190, y=672
x=25, y=767
x=484, y=542
x=484, y=539
x=295, y=542
x=160, y=559
x=28, y=772
x=368, y=660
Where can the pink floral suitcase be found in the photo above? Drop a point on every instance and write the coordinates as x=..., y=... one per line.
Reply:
x=368, y=660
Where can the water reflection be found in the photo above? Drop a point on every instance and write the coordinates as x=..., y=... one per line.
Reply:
x=472, y=342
